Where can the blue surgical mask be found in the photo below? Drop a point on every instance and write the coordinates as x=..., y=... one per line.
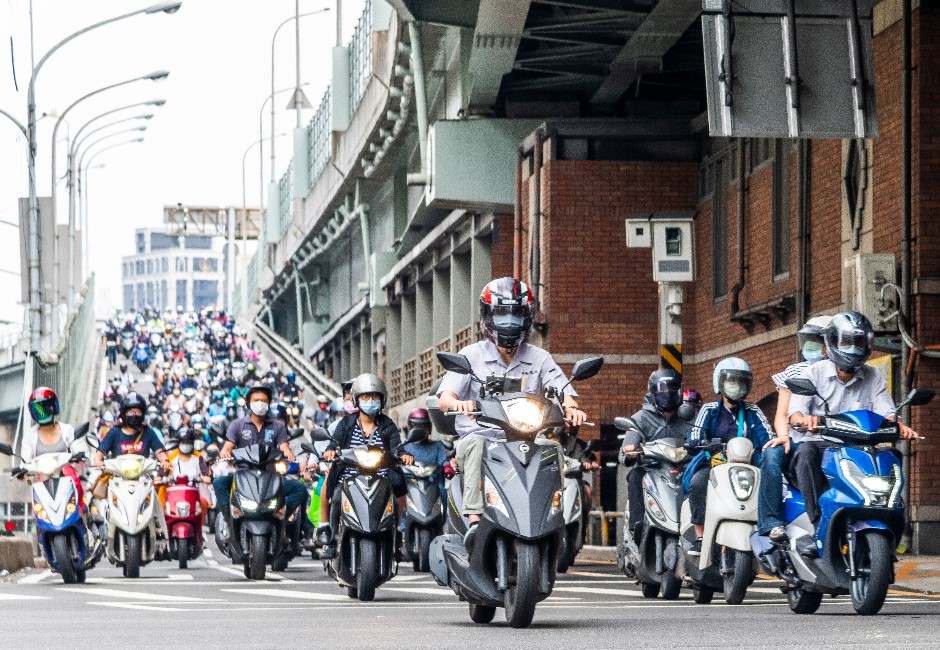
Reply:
x=812, y=351
x=370, y=406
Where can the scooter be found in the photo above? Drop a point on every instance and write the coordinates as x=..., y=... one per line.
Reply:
x=575, y=514
x=132, y=526
x=424, y=519
x=726, y=563
x=142, y=357
x=651, y=557
x=515, y=550
x=862, y=515
x=365, y=539
x=70, y=548
x=258, y=510
x=184, y=521
x=127, y=344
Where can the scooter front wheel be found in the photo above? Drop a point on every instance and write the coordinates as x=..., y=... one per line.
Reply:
x=736, y=584
x=874, y=563
x=671, y=586
x=183, y=552
x=520, y=598
x=257, y=557
x=803, y=602
x=368, y=578
x=702, y=595
x=63, y=558
x=481, y=613
x=132, y=555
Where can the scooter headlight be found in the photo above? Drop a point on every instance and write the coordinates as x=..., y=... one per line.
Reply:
x=875, y=490
x=492, y=497
x=271, y=504
x=525, y=414
x=47, y=465
x=742, y=482
x=248, y=504
x=39, y=511
x=280, y=467
x=368, y=458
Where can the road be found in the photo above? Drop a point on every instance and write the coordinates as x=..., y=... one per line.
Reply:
x=212, y=605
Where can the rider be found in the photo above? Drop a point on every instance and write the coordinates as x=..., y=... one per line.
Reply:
x=290, y=387
x=112, y=336
x=186, y=461
x=49, y=436
x=321, y=416
x=368, y=426
x=190, y=380
x=217, y=407
x=726, y=418
x=126, y=378
x=506, y=318
x=257, y=428
x=658, y=418
x=845, y=383
x=427, y=451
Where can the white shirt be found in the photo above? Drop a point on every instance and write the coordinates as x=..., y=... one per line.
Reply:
x=535, y=365
x=795, y=371
x=866, y=390
x=31, y=439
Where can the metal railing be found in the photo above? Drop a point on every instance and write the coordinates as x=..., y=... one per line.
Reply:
x=285, y=201
x=68, y=371
x=360, y=57
x=319, y=136
x=288, y=356
x=599, y=531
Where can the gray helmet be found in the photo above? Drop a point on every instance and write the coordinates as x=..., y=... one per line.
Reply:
x=367, y=383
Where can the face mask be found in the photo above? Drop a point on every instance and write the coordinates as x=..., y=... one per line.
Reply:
x=370, y=407
x=186, y=449
x=176, y=392
x=735, y=391
x=134, y=421
x=812, y=351
x=259, y=408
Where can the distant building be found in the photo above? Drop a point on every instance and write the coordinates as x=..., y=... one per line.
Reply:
x=173, y=270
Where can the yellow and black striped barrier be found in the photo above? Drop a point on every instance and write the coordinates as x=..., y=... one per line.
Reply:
x=670, y=356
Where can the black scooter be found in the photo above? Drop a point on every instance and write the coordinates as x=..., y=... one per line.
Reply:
x=424, y=518
x=258, y=509
x=515, y=550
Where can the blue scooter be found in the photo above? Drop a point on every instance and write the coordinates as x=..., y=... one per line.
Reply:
x=862, y=515
x=65, y=541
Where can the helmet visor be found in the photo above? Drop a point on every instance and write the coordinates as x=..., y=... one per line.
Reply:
x=510, y=317
x=854, y=342
x=42, y=411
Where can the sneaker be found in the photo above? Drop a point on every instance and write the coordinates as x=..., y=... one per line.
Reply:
x=470, y=536
x=696, y=548
x=778, y=535
x=329, y=552
x=324, y=535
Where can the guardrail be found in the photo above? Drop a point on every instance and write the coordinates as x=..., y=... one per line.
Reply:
x=599, y=529
x=285, y=202
x=360, y=56
x=319, y=134
x=289, y=357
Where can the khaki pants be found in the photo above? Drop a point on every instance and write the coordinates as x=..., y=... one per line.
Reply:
x=470, y=459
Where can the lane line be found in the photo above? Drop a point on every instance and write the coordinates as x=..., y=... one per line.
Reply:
x=439, y=591
x=286, y=593
x=22, y=597
x=597, y=590
x=34, y=578
x=135, y=595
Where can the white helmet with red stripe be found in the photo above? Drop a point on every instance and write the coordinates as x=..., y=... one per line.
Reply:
x=506, y=312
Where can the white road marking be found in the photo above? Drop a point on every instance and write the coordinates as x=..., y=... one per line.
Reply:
x=410, y=578
x=34, y=578
x=136, y=595
x=149, y=608
x=439, y=591
x=22, y=597
x=287, y=593
x=597, y=590
x=182, y=578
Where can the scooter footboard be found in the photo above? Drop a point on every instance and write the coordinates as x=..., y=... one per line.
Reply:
x=735, y=534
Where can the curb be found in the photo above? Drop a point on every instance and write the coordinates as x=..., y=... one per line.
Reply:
x=15, y=554
x=598, y=554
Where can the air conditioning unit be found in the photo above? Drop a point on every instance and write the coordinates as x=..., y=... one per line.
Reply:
x=863, y=277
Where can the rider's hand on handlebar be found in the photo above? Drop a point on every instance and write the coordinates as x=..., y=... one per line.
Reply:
x=808, y=421
x=907, y=433
x=576, y=416
x=407, y=459
x=628, y=448
x=225, y=454
x=465, y=406
x=329, y=455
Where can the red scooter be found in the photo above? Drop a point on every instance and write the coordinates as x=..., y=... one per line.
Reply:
x=184, y=520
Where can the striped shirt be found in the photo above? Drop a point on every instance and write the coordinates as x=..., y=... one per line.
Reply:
x=359, y=439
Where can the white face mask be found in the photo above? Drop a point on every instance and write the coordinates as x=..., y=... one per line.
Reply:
x=259, y=408
x=186, y=449
x=735, y=390
x=812, y=351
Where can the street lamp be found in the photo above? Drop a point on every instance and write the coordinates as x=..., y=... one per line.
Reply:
x=35, y=297
x=297, y=91
x=261, y=137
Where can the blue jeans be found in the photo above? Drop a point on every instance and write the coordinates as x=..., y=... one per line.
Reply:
x=770, y=497
x=294, y=492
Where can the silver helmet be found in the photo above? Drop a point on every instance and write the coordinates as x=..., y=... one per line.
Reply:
x=367, y=383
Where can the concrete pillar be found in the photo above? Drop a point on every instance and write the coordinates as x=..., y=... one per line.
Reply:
x=424, y=317
x=481, y=270
x=462, y=301
x=442, y=326
x=355, y=366
x=408, y=349
x=393, y=337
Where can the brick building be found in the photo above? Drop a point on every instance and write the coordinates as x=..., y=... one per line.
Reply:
x=528, y=152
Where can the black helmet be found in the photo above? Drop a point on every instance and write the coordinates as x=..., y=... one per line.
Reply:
x=849, y=339
x=133, y=400
x=186, y=435
x=506, y=312
x=259, y=387
x=665, y=389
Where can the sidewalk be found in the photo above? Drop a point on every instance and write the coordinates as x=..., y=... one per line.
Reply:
x=918, y=573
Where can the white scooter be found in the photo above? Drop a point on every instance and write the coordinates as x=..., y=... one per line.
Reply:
x=132, y=525
x=727, y=562
x=573, y=537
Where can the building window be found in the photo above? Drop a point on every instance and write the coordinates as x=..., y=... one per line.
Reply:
x=140, y=296
x=198, y=241
x=128, y=297
x=205, y=293
x=205, y=265
x=181, y=265
x=166, y=265
x=140, y=267
x=150, y=296
x=780, y=212
x=164, y=295
x=761, y=150
x=141, y=243
x=181, y=294
x=149, y=267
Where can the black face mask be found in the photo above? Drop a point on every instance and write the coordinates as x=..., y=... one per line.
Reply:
x=134, y=421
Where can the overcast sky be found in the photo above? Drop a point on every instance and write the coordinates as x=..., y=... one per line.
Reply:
x=218, y=53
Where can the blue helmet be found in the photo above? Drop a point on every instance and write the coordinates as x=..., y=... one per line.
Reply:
x=291, y=377
x=732, y=378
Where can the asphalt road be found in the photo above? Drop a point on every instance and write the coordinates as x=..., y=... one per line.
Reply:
x=212, y=605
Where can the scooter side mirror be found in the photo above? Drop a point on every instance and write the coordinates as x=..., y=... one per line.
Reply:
x=802, y=387
x=319, y=434
x=92, y=441
x=308, y=448
x=686, y=412
x=626, y=424
x=454, y=363
x=918, y=397
x=296, y=433
x=6, y=449
x=586, y=368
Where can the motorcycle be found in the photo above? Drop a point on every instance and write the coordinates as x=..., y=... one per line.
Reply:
x=142, y=357
x=184, y=521
x=127, y=344
x=862, y=514
x=651, y=558
x=70, y=548
x=365, y=539
x=726, y=562
x=424, y=518
x=572, y=496
x=257, y=509
x=132, y=526
x=515, y=552
x=174, y=421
